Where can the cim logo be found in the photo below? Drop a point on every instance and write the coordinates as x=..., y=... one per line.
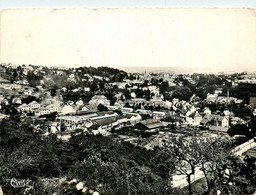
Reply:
x=20, y=183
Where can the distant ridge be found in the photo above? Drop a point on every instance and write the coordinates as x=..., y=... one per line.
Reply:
x=178, y=70
x=173, y=70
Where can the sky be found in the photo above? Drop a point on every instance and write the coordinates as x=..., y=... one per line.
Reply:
x=4, y=4
x=207, y=39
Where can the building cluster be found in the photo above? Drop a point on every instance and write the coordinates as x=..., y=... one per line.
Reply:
x=99, y=114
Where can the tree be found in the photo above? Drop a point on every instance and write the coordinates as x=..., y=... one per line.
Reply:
x=211, y=152
x=164, y=87
x=209, y=155
x=101, y=107
x=184, y=157
x=233, y=176
x=239, y=129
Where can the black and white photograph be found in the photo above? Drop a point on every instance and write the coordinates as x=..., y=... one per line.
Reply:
x=128, y=100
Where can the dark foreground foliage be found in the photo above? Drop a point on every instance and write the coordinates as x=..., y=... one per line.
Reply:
x=108, y=166
x=117, y=167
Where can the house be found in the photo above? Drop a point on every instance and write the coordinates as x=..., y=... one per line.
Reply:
x=68, y=110
x=119, y=103
x=207, y=111
x=226, y=113
x=42, y=111
x=79, y=103
x=89, y=108
x=119, y=96
x=218, y=91
x=211, y=97
x=167, y=104
x=16, y=101
x=59, y=72
x=137, y=101
x=71, y=77
x=153, y=89
x=121, y=85
x=189, y=120
x=64, y=89
x=2, y=116
x=133, y=95
x=197, y=118
x=205, y=120
x=113, y=108
x=252, y=102
x=74, y=120
x=55, y=107
x=149, y=124
x=222, y=99
x=53, y=127
x=126, y=109
x=24, y=107
x=157, y=101
x=99, y=99
x=87, y=89
x=219, y=121
x=69, y=102
x=158, y=115
x=194, y=118
x=145, y=112
x=236, y=120
x=175, y=101
x=1, y=98
x=6, y=102
x=105, y=122
x=34, y=105
x=135, y=118
x=215, y=122
x=28, y=92
x=192, y=110
x=149, y=103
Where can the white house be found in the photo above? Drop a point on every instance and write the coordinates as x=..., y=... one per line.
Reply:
x=126, y=109
x=99, y=99
x=167, y=104
x=158, y=115
x=207, y=111
x=79, y=103
x=222, y=121
x=28, y=92
x=16, y=101
x=24, y=107
x=89, y=108
x=87, y=89
x=197, y=118
x=214, y=121
x=2, y=116
x=113, y=107
x=42, y=111
x=55, y=107
x=175, y=101
x=68, y=110
x=34, y=105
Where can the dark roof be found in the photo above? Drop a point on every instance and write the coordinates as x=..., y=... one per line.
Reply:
x=217, y=117
x=253, y=101
x=213, y=117
x=151, y=123
x=91, y=107
x=206, y=119
x=106, y=121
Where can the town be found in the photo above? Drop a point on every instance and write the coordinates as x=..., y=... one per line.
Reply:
x=148, y=111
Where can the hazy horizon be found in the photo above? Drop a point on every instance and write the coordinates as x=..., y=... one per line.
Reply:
x=145, y=69
x=199, y=40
